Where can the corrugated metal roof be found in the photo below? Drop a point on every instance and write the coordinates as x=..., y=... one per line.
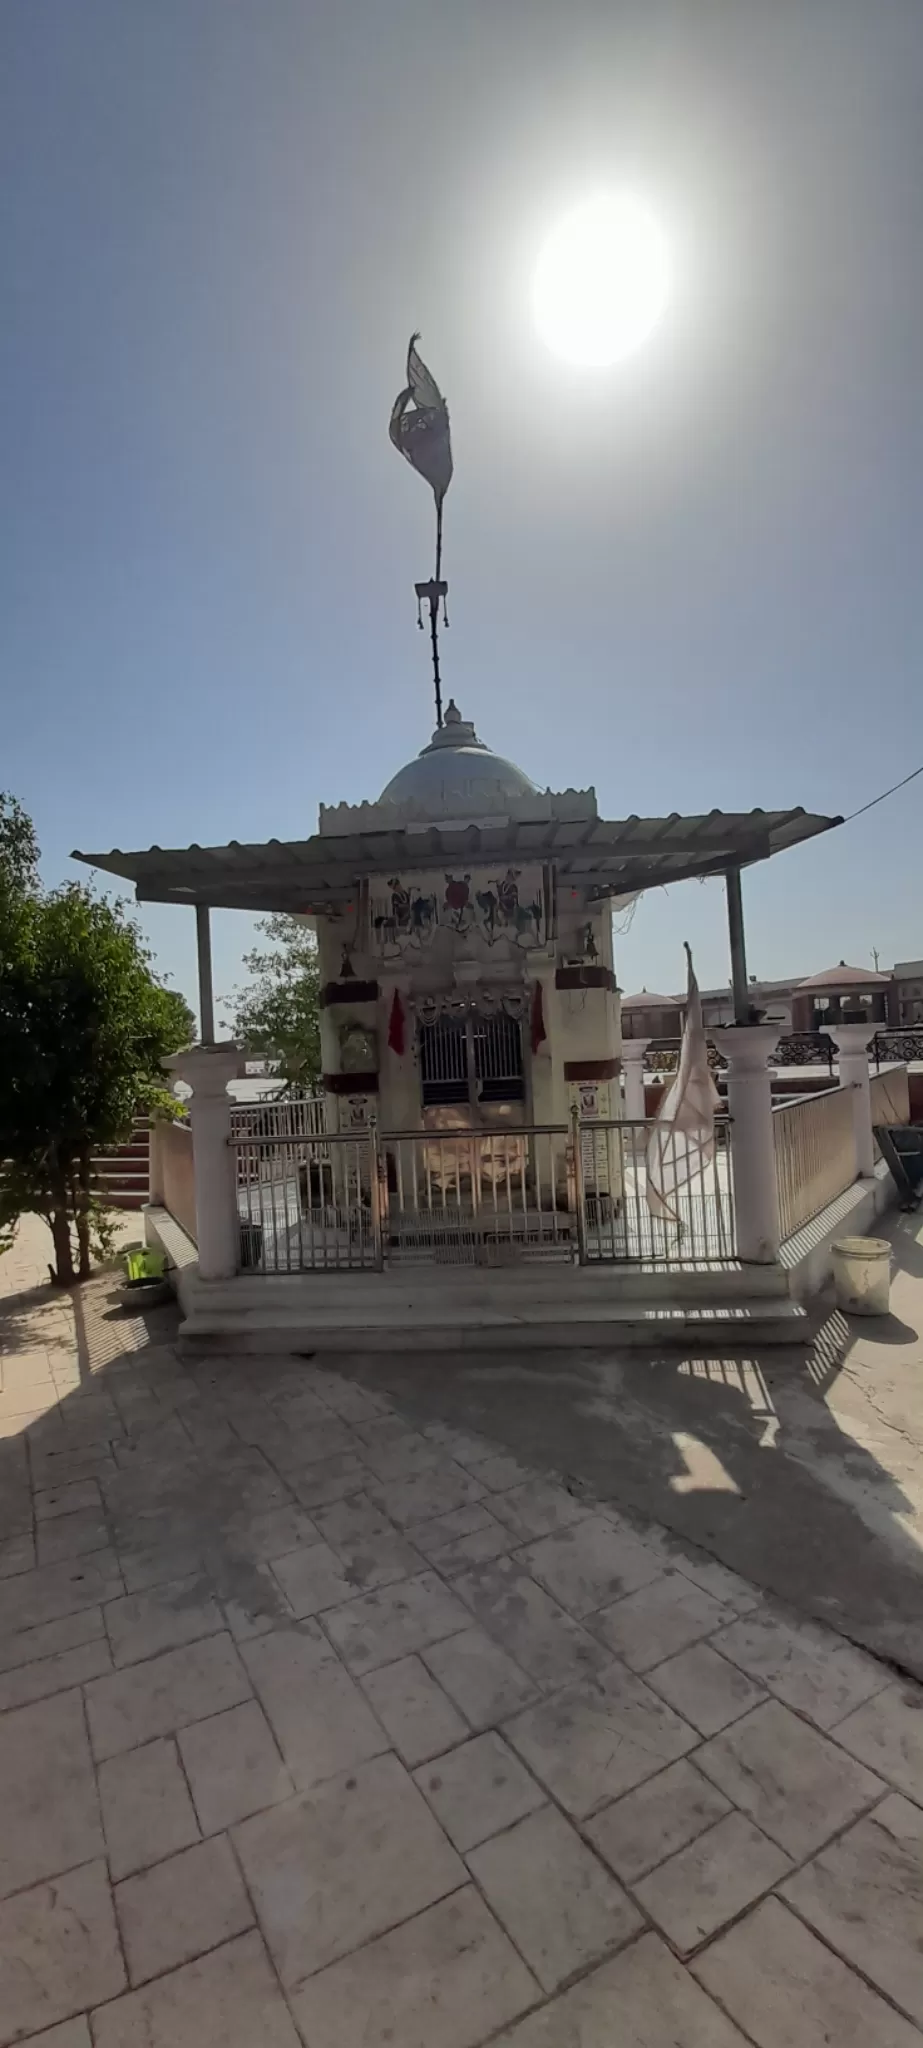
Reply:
x=605, y=857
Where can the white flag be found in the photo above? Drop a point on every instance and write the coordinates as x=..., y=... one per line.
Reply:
x=683, y=1138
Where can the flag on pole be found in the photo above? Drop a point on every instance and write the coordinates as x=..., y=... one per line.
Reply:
x=682, y=1141
x=422, y=435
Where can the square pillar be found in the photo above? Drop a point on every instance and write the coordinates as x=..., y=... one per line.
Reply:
x=207, y=1069
x=756, y=1198
x=633, y=1055
x=852, y=1042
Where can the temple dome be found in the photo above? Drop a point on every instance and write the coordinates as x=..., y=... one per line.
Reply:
x=456, y=775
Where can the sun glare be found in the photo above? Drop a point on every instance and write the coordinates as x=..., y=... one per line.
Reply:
x=602, y=281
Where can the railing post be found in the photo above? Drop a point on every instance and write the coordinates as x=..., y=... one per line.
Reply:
x=375, y=1193
x=852, y=1043
x=207, y=1069
x=576, y=1192
x=756, y=1197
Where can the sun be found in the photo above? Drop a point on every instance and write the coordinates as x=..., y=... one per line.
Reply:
x=602, y=281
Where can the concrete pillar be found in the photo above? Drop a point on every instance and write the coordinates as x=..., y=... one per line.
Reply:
x=756, y=1201
x=207, y=1069
x=852, y=1042
x=633, y=1051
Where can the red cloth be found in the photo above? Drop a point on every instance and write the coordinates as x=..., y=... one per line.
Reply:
x=538, y=1018
x=396, y=1025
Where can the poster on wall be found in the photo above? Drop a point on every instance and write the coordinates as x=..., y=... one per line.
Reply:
x=503, y=906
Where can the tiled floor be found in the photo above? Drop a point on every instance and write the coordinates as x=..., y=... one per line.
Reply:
x=318, y=1727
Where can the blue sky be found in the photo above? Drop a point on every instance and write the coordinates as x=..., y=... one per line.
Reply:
x=692, y=580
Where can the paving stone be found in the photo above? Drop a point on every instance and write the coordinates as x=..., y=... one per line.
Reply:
x=313, y=1579
x=464, y=1445
x=480, y=1677
x=53, y=1674
x=864, y=1896
x=657, y=2003
x=183, y=1685
x=381, y=1626
x=51, y=1637
x=233, y=1766
x=808, y=1667
x=330, y=1480
x=656, y=1820
x=330, y=1870
x=537, y=1508
x=658, y=1621
x=75, y=1535
x=447, y=1979
x=398, y=1453
x=50, y=1812
x=54, y=1590
x=70, y=2034
x=144, y=1624
x=372, y=1550
x=17, y=1554
x=348, y=1400
x=182, y=1908
x=433, y=1491
x=705, y=1688
x=147, y=1811
x=415, y=1712
x=598, y=1739
x=157, y=1563
x=59, y=1952
x=590, y=1563
x=785, y=1987
x=437, y=1537
x=477, y=1789
x=66, y=1500
x=548, y=1644
x=887, y=1734
x=476, y=1546
x=724, y=1585
x=501, y=1472
x=553, y=1896
x=229, y=1999
x=272, y=1532
x=320, y=1718
x=709, y=1882
x=794, y=1783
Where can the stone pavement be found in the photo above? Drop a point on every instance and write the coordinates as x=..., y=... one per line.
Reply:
x=321, y=1723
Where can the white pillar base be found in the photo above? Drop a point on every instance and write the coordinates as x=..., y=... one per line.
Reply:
x=207, y=1069
x=633, y=1054
x=756, y=1200
x=852, y=1042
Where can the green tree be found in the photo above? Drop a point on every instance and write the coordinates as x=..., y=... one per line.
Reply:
x=18, y=849
x=84, y=1029
x=278, y=1016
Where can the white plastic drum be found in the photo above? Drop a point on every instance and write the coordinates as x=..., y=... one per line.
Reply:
x=862, y=1275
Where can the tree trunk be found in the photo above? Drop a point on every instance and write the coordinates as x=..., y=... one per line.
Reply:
x=82, y=1209
x=61, y=1236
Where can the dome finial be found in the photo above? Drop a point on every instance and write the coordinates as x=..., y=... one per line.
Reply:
x=452, y=714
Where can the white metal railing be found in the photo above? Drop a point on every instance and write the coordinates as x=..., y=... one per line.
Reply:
x=815, y=1148
x=890, y=1096
x=283, y=1116
x=479, y=1197
x=692, y=1223
x=308, y=1204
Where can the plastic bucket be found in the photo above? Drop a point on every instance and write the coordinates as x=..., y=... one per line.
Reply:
x=862, y=1275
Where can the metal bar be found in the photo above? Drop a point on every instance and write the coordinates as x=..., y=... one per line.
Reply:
x=206, y=990
x=376, y=1193
x=739, y=983
x=575, y=1139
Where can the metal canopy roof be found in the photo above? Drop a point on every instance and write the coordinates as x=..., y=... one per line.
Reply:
x=606, y=857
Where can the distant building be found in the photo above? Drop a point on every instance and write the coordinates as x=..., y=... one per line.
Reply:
x=772, y=999
x=650, y=1016
x=907, y=992
x=841, y=995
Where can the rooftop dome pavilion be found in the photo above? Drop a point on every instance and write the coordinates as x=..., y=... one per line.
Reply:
x=456, y=772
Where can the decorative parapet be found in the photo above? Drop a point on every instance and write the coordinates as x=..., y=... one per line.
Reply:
x=565, y=806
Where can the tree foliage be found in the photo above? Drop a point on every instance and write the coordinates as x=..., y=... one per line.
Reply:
x=278, y=1016
x=84, y=1029
x=18, y=849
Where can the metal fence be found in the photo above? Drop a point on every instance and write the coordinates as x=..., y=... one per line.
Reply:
x=479, y=1197
x=890, y=1094
x=815, y=1150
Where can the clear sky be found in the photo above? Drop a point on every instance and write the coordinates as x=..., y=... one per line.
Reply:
x=692, y=580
